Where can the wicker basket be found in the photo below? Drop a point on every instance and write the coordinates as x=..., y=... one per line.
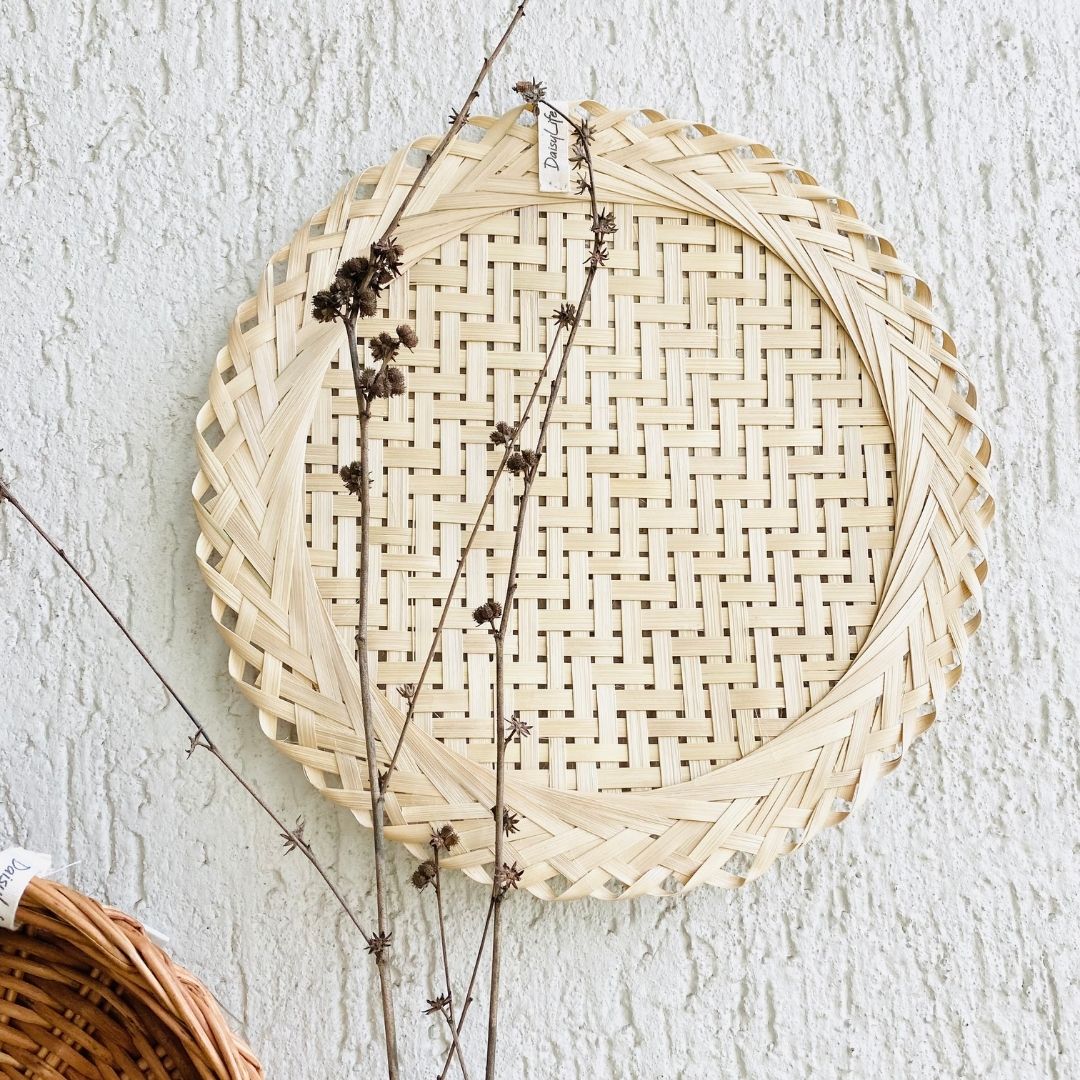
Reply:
x=756, y=553
x=84, y=992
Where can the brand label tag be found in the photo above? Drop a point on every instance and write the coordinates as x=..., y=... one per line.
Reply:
x=17, y=867
x=553, y=134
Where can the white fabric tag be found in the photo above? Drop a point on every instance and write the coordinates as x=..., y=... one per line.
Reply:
x=553, y=147
x=17, y=867
x=156, y=936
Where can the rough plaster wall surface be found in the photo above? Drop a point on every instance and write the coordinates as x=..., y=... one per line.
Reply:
x=153, y=154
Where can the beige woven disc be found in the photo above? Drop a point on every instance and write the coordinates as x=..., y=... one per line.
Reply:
x=754, y=558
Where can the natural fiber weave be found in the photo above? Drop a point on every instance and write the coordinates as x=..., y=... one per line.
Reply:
x=86, y=995
x=755, y=554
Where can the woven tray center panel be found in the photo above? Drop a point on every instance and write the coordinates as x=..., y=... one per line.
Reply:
x=713, y=521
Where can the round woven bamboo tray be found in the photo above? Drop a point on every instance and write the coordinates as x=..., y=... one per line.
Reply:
x=756, y=553
x=86, y=995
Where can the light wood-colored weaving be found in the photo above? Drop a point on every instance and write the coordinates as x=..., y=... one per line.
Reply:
x=755, y=553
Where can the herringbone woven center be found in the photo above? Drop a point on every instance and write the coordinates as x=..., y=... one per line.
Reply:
x=712, y=524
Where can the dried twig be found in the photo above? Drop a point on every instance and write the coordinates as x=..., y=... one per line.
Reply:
x=443, y=840
x=450, y=1019
x=353, y=295
x=293, y=839
x=506, y=875
x=382, y=959
x=458, y=118
x=472, y=983
x=507, y=440
x=348, y=298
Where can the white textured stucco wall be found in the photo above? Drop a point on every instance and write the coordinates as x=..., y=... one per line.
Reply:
x=153, y=154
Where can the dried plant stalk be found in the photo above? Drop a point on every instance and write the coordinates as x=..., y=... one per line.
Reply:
x=355, y=297
x=472, y=983
x=429, y=872
x=293, y=838
x=378, y=945
x=375, y=274
x=505, y=876
x=413, y=692
x=495, y=615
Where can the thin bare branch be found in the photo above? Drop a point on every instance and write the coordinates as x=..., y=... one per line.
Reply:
x=445, y=953
x=472, y=984
x=458, y=119
x=383, y=264
x=504, y=876
x=385, y=934
x=436, y=637
x=293, y=838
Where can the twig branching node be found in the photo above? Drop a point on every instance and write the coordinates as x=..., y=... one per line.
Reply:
x=424, y=874
x=522, y=462
x=379, y=942
x=444, y=838
x=294, y=840
x=503, y=434
x=604, y=223
x=565, y=316
x=531, y=91
x=352, y=476
x=488, y=611
x=195, y=742
x=438, y=1004
x=510, y=820
x=507, y=877
x=516, y=728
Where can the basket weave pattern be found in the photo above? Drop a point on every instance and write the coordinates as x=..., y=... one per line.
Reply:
x=756, y=529
x=86, y=995
x=702, y=561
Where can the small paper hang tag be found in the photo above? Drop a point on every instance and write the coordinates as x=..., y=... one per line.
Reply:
x=17, y=867
x=553, y=134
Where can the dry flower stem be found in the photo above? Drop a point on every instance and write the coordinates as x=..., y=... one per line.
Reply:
x=508, y=450
x=375, y=784
x=201, y=740
x=449, y=1013
x=382, y=959
x=500, y=697
x=498, y=891
x=472, y=983
x=460, y=118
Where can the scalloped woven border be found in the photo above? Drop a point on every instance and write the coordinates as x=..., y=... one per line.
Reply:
x=723, y=828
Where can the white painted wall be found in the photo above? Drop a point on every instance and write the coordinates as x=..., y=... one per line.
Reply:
x=154, y=154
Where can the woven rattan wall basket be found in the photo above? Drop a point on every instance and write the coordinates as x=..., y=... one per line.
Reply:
x=86, y=995
x=755, y=556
